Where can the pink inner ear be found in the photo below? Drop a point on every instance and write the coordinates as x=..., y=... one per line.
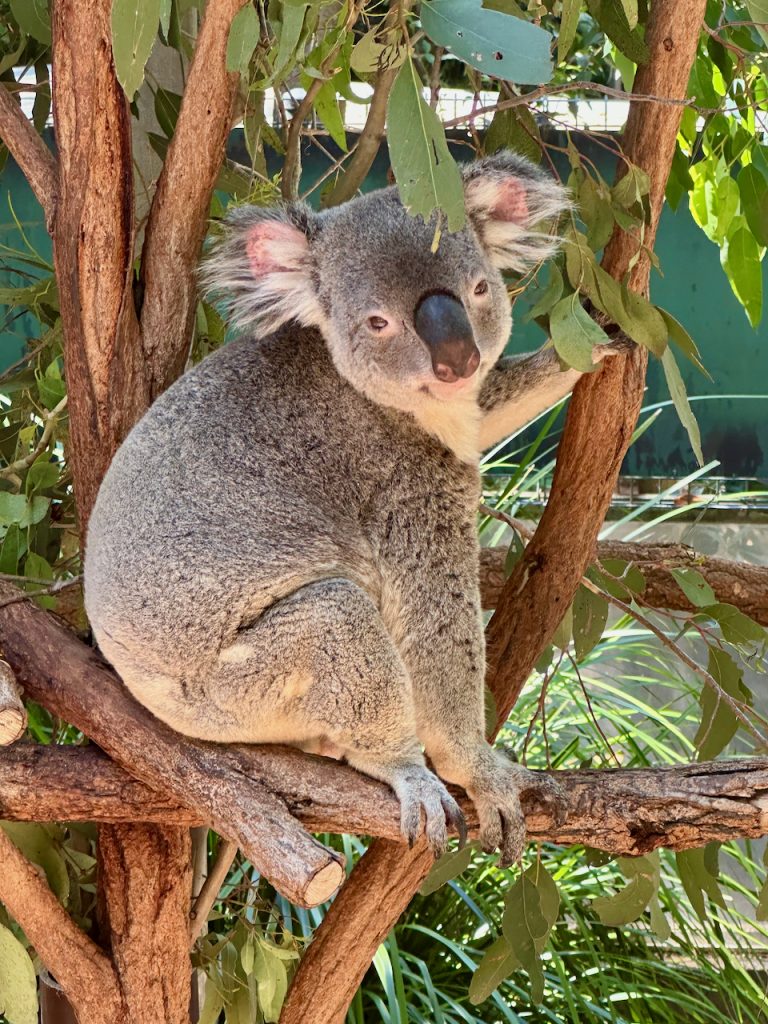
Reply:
x=511, y=203
x=273, y=247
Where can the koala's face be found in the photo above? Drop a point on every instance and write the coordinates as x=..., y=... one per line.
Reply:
x=402, y=323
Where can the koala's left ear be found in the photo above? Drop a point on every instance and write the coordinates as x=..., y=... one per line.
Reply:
x=261, y=268
x=513, y=207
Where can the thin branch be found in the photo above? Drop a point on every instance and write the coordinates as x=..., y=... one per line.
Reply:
x=209, y=893
x=49, y=423
x=30, y=153
x=81, y=968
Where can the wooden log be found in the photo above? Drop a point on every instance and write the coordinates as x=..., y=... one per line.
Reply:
x=737, y=583
x=621, y=811
x=13, y=714
x=216, y=782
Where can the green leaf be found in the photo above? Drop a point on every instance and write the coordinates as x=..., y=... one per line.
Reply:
x=17, y=508
x=562, y=635
x=41, y=476
x=18, y=984
x=737, y=628
x=327, y=107
x=448, y=867
x=695, y=870
x=611, y=18
x=569, y=22
x=753, y=189
x=426, y=173
x=289, y=33
x=514, y=128
x=497, y=964
x=377, y=50
x=694, y=586
x=494, y=43
x=13, y=548
x=758, y=11
x=741, y=260
x=630, y=12
x=33, y=18
x=727, y=205
x=526, y=929
x=271, y=979
x=718, y=722
x=596, y=212
x=590, y=614
x=244, y=34
x=684, y=341
x=680, y=399
x=628, y=904
x=214, y=1002
x=574, y=334
x=549, y=295
x=620, y=579
x=134, y=27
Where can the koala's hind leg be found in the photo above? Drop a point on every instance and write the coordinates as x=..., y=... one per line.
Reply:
x=319, y=664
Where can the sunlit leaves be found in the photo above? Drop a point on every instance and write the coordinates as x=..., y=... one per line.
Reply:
x=753, y=189
x=741, y=260
x=134, y=27
x=494, y=43
x=426, y=173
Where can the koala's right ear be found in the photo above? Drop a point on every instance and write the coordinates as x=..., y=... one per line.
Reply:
x=261, y=269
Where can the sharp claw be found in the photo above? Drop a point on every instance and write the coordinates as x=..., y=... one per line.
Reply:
x=457, y=820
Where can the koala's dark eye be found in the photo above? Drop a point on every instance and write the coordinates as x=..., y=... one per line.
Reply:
x=377, y=323
x=481, y=288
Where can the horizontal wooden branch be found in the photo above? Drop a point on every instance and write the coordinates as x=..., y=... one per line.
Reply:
x=218, y=783
x=739, y=584
x=27, y=148
x=621, y=811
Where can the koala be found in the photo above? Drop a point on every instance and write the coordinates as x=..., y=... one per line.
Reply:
x=284, y=549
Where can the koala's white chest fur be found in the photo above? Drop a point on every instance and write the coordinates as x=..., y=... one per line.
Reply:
x=455, y=423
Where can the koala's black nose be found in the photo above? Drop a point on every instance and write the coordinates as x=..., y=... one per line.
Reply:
x=441, y=321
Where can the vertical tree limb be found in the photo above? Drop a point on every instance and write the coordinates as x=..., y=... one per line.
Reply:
x=36, y=161
x=179, y=213
x=80, y=967
x=598, y=428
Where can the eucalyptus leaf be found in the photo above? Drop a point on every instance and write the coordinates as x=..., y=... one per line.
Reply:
x=134, y=28
x=590, y=615
x=574, y=334
x=741, y=261
x=569, y=21
x=18, y=984
x=680, y=400
x=426, y=173
x=694, y=586
x=698, y=880
x=628, y=904
x=753, y=189
x=244, y=34
x=33, y=18
x=718, y=722
x=448, y=867
x=497, y=964
x=494, y=43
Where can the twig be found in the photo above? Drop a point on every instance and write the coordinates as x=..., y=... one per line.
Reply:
x=30, y=153
x=49, y=422
x=208, y=895
x=50, y=589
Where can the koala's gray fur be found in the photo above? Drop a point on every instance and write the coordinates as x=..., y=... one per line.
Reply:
x=285, y=549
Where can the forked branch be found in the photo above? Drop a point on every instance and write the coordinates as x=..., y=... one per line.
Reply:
x=30, y=152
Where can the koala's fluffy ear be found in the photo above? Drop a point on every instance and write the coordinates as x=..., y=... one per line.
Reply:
x=261, y=269
x=513, y=207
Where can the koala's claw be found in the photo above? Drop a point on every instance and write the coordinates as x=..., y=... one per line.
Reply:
x=419, y=790
x=502, y=822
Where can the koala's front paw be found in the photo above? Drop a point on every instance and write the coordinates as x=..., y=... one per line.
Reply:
x=619, y=345
x=502, y=823
x=418, y=789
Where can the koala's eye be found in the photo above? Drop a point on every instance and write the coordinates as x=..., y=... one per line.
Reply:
x=377, y=323
x=481, y=288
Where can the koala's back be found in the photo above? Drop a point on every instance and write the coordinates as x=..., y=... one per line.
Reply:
x=247, y=479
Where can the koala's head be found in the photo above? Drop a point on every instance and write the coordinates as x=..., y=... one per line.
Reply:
x=401, y=321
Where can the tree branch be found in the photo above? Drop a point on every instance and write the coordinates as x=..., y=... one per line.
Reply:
x=219, y=783
x=621, y=811
x=737, y=583
x=81, y=968
x=27, y=148
x=179, y=214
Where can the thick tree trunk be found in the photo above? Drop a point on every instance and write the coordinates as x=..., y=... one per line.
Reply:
x=599, y=425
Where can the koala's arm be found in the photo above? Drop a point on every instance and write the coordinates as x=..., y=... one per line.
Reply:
x=519, y=388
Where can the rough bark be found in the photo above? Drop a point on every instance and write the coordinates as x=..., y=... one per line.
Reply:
x=13, y=714
x=82, y=969
x=620, y=811
x=737, y=583
x=70, y=680
x=93, y=243
x=598, y=428
x=178, y=217
x=36, y=161
x=145, y=873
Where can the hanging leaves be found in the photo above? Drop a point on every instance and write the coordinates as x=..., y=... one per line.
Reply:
x=18, y=984
x=134, y=27
x=426, y=173
x=718, y=722
x=629, y=903
x=680, y=400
